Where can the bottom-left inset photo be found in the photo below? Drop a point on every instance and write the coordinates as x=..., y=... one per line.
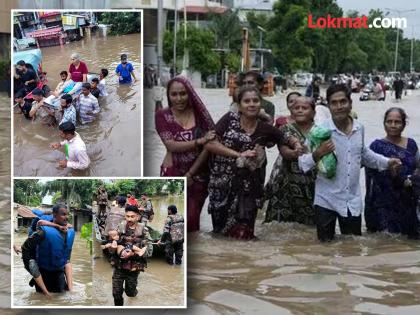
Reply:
x=75, y=239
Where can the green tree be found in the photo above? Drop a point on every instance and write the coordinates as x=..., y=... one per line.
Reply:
x=226, y=28
x=200, y=43
x=121, y=22
x=27, y=192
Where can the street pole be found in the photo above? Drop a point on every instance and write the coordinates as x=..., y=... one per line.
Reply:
x=175, y=31
x=159, y=40
x=398, y=33
x=396, y=50
x=411, y=53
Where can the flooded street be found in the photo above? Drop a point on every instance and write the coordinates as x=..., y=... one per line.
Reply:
x=286, y=270
x=24, y=295
x=4, y=201
x=113, y=140
x=160, y=284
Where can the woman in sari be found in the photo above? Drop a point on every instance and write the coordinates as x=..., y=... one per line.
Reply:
x=284, y=120
x=185, y=126
x=388, y=204
x=290, y=192
x=238, y=164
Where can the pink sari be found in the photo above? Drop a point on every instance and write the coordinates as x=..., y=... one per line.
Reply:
x=169, y=129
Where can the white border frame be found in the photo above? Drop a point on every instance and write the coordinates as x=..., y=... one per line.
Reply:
x=141, y=11
x=13, y=178
x=185, y=256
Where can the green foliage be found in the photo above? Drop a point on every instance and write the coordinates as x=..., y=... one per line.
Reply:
x=233, y=62
x=86, y=234
x=226, y=28
x=4, y=68
x=200, y=43
x=121, y=22
x=27, y=192
x=81, y=192
x=57, y=197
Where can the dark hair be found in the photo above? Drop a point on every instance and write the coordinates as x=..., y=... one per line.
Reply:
x=400, y=111
x=258, y=77
x=104, y=72
x=121, y=200
x=309, y=100
x=246, y=89
x=19, y=94
x=332, y=89
x=64, y=72
x=290, y=94
x=57, y=207
x=132, y=208
x=68, y=98
x=67, y=127
x=21, y=63
x=95, y=80
x=86, y=86
x=123, y=56
x=172, y=81
x=37, y=92
x=173, y=209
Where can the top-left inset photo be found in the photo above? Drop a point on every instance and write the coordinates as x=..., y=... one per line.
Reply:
x=77, y=92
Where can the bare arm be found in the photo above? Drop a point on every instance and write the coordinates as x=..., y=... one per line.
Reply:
x=68, y=270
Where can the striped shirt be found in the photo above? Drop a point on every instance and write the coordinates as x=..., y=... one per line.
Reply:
x=87, y=106
x=69, y=114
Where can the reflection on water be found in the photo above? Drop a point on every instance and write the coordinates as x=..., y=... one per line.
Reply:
x=287, y=271
x=24, y=295
x=113, y=139
x=161, y=284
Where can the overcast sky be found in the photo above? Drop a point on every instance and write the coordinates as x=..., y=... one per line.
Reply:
x=413, y=18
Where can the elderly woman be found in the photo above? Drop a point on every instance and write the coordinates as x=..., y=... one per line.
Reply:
x=388, y=204
x=185, y=127
x=78, y=70
x=238, y=166
x=290, y=192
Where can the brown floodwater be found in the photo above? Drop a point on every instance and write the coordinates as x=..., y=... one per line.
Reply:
x=286, y=270
x=4, y=201
x=81, y=260
x=113, y=140
x=161, y=284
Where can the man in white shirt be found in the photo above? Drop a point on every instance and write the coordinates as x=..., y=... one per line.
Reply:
x=340, y=197
x=74, y=148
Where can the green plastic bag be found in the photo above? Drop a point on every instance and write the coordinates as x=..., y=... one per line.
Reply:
x=327, y=165
x=66, y=150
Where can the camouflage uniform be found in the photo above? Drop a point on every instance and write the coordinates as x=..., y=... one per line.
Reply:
x=147, y=210
x=173, y=236
x=123, y=268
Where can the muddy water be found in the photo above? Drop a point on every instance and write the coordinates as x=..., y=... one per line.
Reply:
x=113, y=139
x=161, y=284
x=4, y=201
x=81, y=260
x=287, y=271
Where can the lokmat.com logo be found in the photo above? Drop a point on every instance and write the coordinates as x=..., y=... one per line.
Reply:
x=355, y=22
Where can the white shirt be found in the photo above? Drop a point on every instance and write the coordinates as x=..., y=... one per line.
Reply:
x=342, y=192
x=78, y=158
x=102, y=88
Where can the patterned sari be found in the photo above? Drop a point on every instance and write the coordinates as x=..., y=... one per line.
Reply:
x=389, y=206
x=169, y=129
x=236, y=192
x=290, y=192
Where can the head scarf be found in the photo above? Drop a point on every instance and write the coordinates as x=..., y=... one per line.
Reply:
x=202, y=115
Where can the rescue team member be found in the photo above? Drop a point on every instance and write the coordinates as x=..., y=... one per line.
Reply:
x=126, y=270
x=173, y=236
x=46, y=255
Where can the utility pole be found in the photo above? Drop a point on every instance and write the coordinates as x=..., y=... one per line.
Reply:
x=159, y=40
x=398, y=33
x=175, y=31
